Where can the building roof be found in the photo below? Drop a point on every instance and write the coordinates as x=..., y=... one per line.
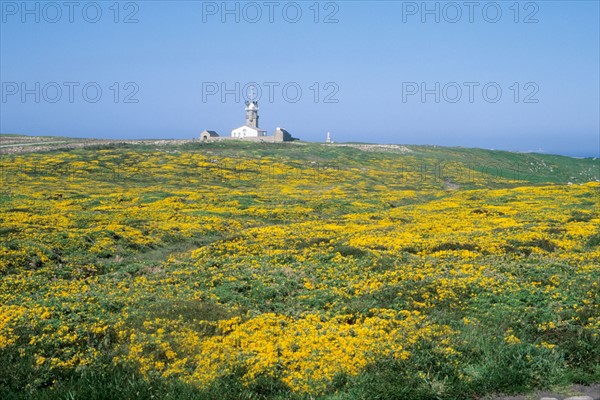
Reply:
x=210, y=133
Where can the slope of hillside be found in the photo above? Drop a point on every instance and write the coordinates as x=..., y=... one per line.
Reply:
x=246, y=270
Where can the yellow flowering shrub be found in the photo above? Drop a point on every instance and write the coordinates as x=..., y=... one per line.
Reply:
x=200, y=265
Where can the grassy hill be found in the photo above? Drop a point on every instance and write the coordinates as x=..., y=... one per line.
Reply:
x=180, y=269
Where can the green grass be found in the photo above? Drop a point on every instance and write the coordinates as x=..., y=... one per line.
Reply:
x=488, y=364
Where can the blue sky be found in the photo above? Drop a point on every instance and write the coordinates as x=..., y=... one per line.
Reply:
x=368, y=62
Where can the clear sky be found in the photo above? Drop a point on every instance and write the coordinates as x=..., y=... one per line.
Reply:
x=503, y=75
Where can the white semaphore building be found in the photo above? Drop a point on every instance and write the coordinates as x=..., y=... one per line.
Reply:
x=250, y=131
x=251, y=128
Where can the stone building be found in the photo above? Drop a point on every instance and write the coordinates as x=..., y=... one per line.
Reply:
x=208, y=135
x=281, y=135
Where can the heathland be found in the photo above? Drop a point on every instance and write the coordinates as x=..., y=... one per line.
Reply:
x=295, y=270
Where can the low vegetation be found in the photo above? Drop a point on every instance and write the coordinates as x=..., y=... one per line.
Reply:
x=247, y=270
